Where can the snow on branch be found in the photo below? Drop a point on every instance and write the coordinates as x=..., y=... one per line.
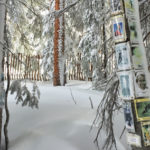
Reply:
x=105, y=113
x=28, y=7
x=24, y=95
x=58, y=13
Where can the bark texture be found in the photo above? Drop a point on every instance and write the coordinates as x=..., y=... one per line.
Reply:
x=2, y=23
x=56, y=77
x=141, y=46
x=63, y=42
x=104, y=48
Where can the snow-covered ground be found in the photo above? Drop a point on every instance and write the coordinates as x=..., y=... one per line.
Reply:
x=59, y=123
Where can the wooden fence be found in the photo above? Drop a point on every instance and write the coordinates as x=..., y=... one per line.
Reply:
x=23, y=67
x=76, y=73
x=29, y=67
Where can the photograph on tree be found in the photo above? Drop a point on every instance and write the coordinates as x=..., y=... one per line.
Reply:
x=116, y=6
x=129, y=7
x=126, y=85
x=146, y=133
x=142, y=108
x=141, y=89
x=123, y=56
x=129, y=121
x=119, y=32
x=137, y=58
x=133, y=31
x=133, y=139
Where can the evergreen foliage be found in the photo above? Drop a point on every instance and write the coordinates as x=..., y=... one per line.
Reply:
x=24, y=95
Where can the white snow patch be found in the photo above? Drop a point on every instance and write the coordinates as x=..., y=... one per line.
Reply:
x=59, y=123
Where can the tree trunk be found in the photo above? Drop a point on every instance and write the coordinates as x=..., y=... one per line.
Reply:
x=63, y=43
x=56, y=77
x=104, y=47
x=8, y=86
x=137, y=124
x=147, y=74
x=2, y=24
x=6, y=107
x=0, y=125
x=105, y=51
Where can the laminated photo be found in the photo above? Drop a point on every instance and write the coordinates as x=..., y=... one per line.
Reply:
x=129, y=121
x=126, y=85
x=116, y=6
x=137, y=57
x=129, y=7
x=123, y=56
x=141, y=89
x=134, y=139
x=146, y=133
x=142, y=108
x=119, y=32
x=133, y=31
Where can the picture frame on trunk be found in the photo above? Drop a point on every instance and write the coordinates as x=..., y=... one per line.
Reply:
x=142, y=109
x=126, y=90
x=119, y=31
x=116, y=6
x=141, y=88
x=145, y=126
x=134, y=139
x=137, y=57
x=133, y=30
x=129, y=120
x=123, y=56
x=129, y=8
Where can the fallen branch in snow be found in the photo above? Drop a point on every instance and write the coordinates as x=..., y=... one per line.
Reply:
x=122, y=132
x=91, y=102
x=105, y=113
x=72, y=96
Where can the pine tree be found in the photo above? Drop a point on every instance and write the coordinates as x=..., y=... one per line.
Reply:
x=62, y=51
x=56, y=76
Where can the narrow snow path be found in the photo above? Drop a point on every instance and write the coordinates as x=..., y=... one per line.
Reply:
x=59, y=123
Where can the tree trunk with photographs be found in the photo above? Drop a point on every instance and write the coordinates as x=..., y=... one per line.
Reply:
x=2, y=24
x=56, y=76
x=138, y=124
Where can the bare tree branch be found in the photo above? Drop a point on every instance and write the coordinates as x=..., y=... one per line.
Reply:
x=58, y=13
x=105, y=113
x=72, y=96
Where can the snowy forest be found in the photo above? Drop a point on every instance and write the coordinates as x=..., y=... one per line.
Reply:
x=75, y=74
